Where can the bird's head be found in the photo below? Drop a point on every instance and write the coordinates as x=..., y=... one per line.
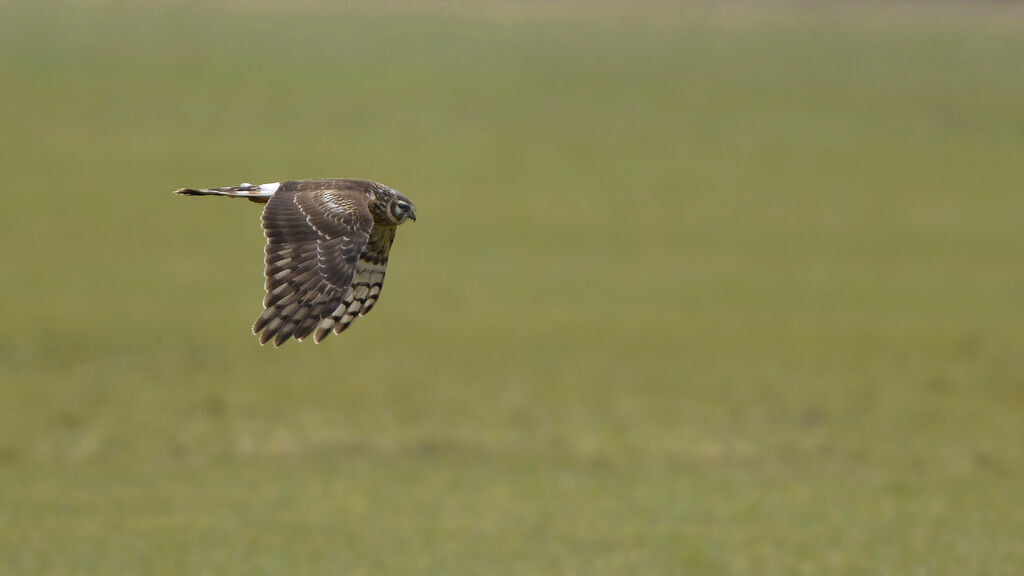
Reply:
x=400, y=208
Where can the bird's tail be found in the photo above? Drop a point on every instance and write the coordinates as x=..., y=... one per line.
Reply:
x=257, y=193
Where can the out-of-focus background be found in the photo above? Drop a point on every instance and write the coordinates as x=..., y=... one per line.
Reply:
x=702, y=289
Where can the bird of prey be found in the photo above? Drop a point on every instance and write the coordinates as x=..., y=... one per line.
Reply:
x=327, y=250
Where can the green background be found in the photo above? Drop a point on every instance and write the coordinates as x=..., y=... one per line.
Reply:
x=693, y=290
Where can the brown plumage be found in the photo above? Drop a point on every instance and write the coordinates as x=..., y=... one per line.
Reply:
x=327, y=250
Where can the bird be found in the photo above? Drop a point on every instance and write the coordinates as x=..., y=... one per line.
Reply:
x=327, y=249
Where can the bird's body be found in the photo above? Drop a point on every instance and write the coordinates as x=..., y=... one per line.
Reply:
x=327, y=249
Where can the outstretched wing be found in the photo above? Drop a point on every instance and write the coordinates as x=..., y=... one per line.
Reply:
x=314, y=240
x=366, y=284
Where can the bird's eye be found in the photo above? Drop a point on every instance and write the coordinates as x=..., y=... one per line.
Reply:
x=400, y=210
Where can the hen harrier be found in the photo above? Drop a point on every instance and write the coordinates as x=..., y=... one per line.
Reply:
x=327, y=249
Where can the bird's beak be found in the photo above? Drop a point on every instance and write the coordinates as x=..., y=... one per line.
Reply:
x=412, y=215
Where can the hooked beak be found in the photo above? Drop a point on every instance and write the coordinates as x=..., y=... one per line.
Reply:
x=412, y=215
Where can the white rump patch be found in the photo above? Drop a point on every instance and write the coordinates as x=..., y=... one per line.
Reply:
x=270, y=188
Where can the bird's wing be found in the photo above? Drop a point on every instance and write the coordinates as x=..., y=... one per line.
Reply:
x=366, y=285
x=373, y=262
x=314, y=240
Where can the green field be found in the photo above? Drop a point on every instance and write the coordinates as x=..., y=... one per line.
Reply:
x=692, y=291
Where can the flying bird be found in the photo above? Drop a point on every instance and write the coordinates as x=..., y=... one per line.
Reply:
x=327, y=250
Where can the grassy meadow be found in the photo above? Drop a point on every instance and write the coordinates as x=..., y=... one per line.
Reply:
x=693, y=290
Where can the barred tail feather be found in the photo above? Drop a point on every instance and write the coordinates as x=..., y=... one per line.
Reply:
x=257, y=193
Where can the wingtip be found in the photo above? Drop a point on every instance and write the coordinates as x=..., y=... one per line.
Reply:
x=281, y=338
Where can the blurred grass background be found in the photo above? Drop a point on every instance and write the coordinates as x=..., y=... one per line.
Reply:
x=715, y=289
